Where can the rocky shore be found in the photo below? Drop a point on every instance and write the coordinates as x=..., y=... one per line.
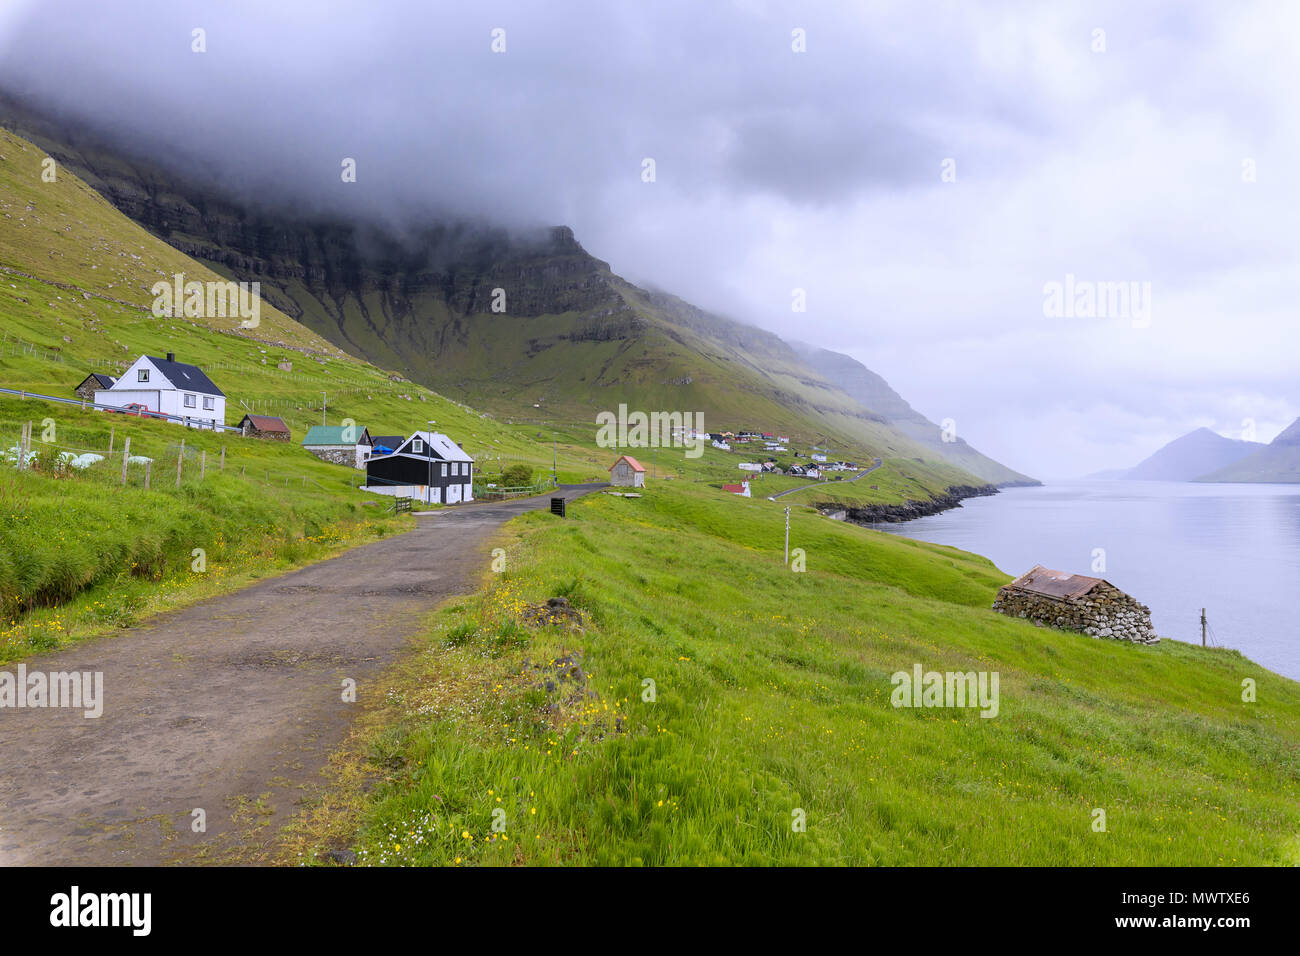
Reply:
x=907, y=510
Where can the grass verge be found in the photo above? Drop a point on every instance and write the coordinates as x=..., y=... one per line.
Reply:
x=503, y=743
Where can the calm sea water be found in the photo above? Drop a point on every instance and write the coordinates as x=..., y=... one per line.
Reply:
x=1176, y=547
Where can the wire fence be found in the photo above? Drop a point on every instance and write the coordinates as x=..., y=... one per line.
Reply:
x=81, y=403
x=134, y=461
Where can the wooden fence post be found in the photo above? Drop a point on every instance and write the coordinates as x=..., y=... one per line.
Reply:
x=126, y=453
x=112, y=430
x=148, y=466
x=223, y=457
x=180, y=460
x=203, y=464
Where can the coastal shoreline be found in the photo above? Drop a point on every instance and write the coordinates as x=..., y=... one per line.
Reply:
x=908, y=510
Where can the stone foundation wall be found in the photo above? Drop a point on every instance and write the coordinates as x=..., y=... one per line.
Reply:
x=337, y=454
x=1104, y=612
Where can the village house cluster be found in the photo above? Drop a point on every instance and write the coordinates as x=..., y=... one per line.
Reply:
x=426, y=466
x=816, y=464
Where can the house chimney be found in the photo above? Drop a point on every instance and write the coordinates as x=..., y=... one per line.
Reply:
x=171, y=356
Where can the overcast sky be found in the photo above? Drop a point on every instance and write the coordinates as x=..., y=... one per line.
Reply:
x=1123, y=156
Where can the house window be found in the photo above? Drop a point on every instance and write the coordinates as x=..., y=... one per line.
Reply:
x=142, y=375
x=189, y=400
x=444, y=471
x=209, y=403
x=417, y=446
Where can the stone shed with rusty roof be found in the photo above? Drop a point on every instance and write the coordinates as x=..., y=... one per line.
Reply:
x=264, y=426
x=1076, y=602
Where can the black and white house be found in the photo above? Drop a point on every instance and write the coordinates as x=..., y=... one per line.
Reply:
x=428, y=466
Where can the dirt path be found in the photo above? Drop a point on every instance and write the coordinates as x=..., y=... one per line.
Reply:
x=231, y=705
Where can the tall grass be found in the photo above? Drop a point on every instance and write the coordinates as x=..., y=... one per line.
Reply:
x=80, y=551
x=772, y=705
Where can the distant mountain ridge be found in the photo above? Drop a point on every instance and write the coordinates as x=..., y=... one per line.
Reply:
x=1205, y=455
x=1276, y=462
x=1191, y=456
x=870, y=390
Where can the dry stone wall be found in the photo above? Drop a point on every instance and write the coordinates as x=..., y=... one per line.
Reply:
x=336, y=454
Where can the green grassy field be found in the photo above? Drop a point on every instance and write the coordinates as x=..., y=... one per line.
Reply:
x=773, y=700
x=82, y=553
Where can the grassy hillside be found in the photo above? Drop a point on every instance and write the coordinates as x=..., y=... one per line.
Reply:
x=574, y=338
x=75, y=279
x=79, y=551
x=773, y=696
x=75, y=297
x=82, y=553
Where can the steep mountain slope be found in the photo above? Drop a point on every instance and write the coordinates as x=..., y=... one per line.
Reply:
x=574, y=338
x=75, y=297
x=1278, y=461
x=871, y=391
x=1189, y=457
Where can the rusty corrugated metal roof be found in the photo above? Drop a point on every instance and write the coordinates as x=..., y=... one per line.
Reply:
x=1057, y=584
x=268, y=423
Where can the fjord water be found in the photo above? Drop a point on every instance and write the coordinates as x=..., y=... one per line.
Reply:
x=1233, y=549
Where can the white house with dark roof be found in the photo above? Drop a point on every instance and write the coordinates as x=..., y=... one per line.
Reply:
x=168, y=386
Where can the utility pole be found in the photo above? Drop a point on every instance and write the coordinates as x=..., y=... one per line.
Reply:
x=1202, y=627
x=428, y=448
x=787, y=535
x=555, y=481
